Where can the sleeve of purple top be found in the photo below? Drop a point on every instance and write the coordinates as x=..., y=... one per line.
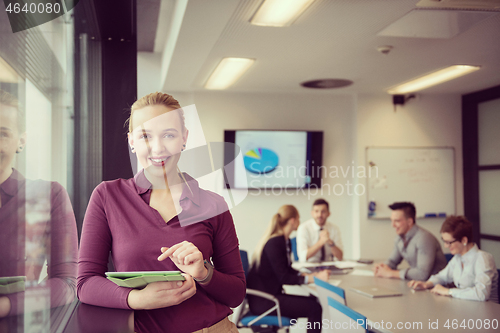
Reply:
x=228, y=284
x=95, y=243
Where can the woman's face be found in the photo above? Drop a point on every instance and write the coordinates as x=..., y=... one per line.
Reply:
x=455, y=245
x=157, y=139
x=10, y=138
x=296, y=222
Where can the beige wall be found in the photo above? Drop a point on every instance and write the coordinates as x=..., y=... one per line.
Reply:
x=350, y=123
x=333, y=114
x=431, y=120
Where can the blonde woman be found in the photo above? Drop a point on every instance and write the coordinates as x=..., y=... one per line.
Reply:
x=140, y=220
x=271, y=269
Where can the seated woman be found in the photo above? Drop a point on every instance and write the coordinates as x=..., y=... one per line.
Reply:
x=160, y=220
x=471, y=270
x=38, y=238
x=271, y=269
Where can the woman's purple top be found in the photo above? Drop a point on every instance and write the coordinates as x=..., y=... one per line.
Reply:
x=119, y=219
x=38, y=228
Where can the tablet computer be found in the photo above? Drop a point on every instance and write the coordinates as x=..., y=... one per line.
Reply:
x=375, y=291
x=142, y=279
x=12, y=284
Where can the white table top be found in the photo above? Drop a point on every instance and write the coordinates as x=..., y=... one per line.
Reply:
x=415, y=310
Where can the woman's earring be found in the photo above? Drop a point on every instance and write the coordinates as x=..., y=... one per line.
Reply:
x=132, y=149
x=20, y=149
x=465, y=244
x=183, y=147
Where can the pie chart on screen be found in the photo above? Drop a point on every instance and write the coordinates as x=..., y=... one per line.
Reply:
x=260, y=160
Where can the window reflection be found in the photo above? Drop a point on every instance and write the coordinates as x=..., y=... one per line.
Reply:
x=38, y=235
x=38, y=243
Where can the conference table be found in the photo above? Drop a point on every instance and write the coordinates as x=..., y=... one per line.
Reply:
x=420, y=311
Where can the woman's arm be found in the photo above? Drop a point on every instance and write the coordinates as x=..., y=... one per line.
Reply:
x=93, y=287
x=484, y=270
x=444, y=276
x=64, y=248
x=228, y=281
x=161, y=294
x=95, y=244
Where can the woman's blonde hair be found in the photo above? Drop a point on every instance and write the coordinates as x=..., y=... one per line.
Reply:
x=156, y=98
x=278, y=223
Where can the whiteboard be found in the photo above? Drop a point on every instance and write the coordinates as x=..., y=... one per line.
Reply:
x=424, y=176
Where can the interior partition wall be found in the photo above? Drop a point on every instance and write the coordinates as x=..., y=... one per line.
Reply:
x=105, y=88
x=481, y=154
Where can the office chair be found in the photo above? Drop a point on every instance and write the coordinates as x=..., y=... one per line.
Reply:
x=342, y=316
x=293, y=241
x=263, y=322
x=325, y=290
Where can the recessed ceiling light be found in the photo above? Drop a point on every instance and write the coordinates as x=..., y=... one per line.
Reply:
x=279, y=13
x=228, y=72
x=432, y=79
x=326, y=83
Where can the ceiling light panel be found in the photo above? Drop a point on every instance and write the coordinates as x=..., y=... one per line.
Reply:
x=279, y=13
x=228, y=72
x=432, y=79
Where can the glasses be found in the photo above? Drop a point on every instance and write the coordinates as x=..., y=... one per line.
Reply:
x=449, y=243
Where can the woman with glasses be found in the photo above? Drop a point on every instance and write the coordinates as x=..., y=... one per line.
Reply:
x=471, y=273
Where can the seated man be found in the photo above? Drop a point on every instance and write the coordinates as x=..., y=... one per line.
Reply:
x=416, y=245
x=317, y=239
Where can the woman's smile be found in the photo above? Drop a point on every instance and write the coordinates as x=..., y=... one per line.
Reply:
x=159, y=160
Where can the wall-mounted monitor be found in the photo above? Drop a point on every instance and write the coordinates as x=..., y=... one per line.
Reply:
x=274, y=159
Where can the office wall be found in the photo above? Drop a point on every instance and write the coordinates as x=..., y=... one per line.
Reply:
x=431, y=120
x=351, y=122
x=333, y=114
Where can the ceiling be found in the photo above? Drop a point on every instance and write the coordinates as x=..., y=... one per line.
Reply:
x=332, y=39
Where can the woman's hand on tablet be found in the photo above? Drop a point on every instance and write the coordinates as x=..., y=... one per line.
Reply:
x=187, y=258
x=162, y=294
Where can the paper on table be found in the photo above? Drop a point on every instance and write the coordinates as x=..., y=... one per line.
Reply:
x=335, y=282
x=338, y=264
x=348, y=264
x=362, y=272
x=298, y=290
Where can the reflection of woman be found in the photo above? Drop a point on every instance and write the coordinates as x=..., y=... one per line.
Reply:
x=38, y=236
x=271, y=269
x=471, y=270
x=137, y=219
